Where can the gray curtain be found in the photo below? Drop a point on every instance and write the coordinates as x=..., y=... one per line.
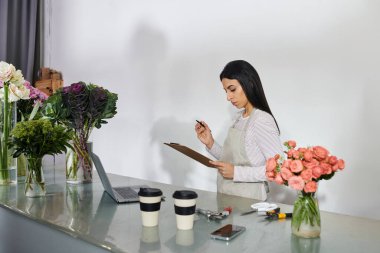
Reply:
x=21, y=23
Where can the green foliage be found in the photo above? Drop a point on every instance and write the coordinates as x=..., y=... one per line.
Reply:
x=36, y=138
x=81, y=107
x=327, y=176
x=55, y=110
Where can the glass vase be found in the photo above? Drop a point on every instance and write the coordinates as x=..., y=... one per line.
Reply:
x=79, y=163
x=306, y=219
x=8, y=164
x=305, y=245
x=35, y=182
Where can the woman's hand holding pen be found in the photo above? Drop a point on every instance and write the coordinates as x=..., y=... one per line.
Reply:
x=225, y=169
x=204, y=134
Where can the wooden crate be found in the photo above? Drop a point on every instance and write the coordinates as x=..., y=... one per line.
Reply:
x=49, y=86
x=56, y=84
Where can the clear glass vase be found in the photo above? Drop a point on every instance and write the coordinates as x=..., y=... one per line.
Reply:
x=306, y=219
x=8, y=164
x=35, y=182
x=305, y=245
x=79, y=163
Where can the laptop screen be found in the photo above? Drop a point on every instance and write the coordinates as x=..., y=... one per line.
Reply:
x=102, y=174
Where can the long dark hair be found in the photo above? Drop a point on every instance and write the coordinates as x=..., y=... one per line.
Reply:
x=250, y=81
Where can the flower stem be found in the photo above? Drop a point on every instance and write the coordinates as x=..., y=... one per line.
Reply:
x=6, y=130
x=35, y=175
x=5, y=174
x=79, y=159
x=306, y=212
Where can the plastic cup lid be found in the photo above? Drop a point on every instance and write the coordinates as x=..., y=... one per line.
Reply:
x=185, y=194
x=150, y=192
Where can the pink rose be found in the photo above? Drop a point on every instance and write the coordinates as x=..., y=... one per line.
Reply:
x=290, y=153
x=314, y=161
x=286, y=173
x=307, y=165
x=327, y=169
x=320, y=152
x=296, y=166
x=271, y=164
x=270, y=175
x=335, y=167
x=333, y=160
x=307, y=174
x=296, y=183
x=296, y=154
x=341, y=164
x=276, y=157
x=308, y=155
x=317, y=171
x=292, y=144
x=302, y=150
x=286, y=163
x=311, y=164
x=311, y=186
x=278, y=179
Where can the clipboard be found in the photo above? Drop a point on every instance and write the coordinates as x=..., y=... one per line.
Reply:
x=191, y=153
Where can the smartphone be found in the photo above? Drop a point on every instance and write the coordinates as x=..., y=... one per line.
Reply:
x=227, y=232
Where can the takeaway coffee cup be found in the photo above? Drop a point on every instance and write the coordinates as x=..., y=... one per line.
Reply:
x=184, y=206
x=150, y=203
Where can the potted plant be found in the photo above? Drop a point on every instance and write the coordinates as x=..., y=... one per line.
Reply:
x=35, y=139
x=80, y=107
x=301, y=170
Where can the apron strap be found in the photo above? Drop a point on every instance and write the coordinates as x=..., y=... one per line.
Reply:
x=266, y=185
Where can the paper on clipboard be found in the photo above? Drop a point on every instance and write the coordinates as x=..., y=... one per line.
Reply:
x=191, y=153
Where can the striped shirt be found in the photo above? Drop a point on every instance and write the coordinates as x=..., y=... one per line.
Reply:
x=262, y=141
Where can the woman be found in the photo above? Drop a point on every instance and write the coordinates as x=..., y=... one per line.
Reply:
x=251, y=140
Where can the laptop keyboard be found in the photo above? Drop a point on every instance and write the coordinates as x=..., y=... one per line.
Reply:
x=126, y=192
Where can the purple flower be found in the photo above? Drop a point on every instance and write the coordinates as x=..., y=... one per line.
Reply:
x=77, y=88
x=35, y=94
x=27, y=84
x=99, y=94
x=66, y=89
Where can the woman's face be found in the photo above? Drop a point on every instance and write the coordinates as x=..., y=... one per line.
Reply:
x=235, y=93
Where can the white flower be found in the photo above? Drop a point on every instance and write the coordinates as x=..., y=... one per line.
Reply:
x=6, y=71
x=17, y=79
x=15, y=93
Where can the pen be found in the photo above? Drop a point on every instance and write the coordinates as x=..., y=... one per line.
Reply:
x=200, y=123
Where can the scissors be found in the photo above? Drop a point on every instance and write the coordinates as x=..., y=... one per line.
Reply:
x=212, y=215
x=261, y=208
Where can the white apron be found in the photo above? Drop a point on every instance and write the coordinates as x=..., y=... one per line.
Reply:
x=234, y=152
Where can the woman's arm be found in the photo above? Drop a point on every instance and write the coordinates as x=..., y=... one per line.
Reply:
x=215, y=150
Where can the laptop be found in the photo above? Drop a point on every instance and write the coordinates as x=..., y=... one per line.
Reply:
x=126, y=194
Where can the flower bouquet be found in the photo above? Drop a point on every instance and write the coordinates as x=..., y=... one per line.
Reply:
x=12, y=89
x=35, y=139
x=28, y=110
x=301, y=170
x=80, y=107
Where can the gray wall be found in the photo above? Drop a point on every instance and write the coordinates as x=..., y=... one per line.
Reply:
x=318, y=61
